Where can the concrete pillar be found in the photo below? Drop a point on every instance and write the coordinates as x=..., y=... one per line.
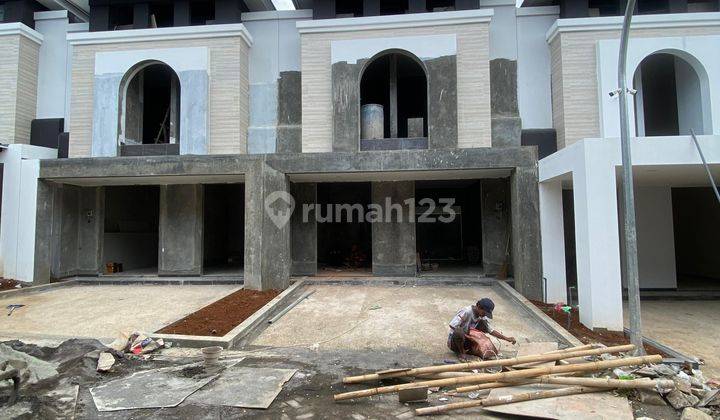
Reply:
x=181, y=230
x=303, y=232
x=597, y=244
x=268, y=209
x=43, y=233
x=91, y=227
x=553, y=241
x=393, y=97
x=495, y=214
x=525, y=242
x=393, y=238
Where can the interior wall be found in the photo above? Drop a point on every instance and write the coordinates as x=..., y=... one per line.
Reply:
x=224, y=225
x=659, y=95
x=339, y=241
x=697, y=229
x=655, y=238
x=131, y=226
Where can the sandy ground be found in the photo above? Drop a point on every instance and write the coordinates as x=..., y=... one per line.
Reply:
x=692, y=327
x=101, y=311
x=377, y=317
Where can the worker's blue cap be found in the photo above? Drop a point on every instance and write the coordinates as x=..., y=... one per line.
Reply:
x=487, y=305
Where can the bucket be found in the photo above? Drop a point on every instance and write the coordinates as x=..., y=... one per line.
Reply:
x=211, y=355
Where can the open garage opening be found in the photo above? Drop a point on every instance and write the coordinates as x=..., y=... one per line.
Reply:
x=449, y=226
x=131, y=231
x=224, y=229
x=344, y=244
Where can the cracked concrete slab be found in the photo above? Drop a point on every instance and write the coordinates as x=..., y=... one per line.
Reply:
x=245, y=387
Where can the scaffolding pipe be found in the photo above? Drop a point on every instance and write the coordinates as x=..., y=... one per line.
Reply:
x=707, y=168
x=630, y=263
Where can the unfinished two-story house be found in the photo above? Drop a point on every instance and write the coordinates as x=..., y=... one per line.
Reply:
x=185, y=120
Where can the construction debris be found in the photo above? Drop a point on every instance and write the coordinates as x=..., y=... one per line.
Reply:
x=653, y=382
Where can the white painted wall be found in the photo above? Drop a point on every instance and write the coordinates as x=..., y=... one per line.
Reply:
x=534, y=94
x=655, y=238
x=700, y=51
x=17, y=223
x=689, y=98
x=592, y=165
x=276, y=48
x=503, y=29
x=52, y=68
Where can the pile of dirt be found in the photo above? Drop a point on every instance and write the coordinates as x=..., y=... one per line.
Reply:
x=585, y=334
x=7, y=284
x=218, y=318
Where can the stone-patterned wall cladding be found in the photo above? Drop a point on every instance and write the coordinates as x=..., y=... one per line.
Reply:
x=575, y=102
x=20, y=51
x=471, y=32
x=227, y=89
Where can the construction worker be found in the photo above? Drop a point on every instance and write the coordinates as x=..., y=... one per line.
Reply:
x=468, y=329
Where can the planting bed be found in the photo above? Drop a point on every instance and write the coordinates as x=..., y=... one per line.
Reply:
x=220, y=317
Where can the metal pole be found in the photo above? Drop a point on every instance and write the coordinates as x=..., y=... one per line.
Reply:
x=707, y=168
x=630, y=263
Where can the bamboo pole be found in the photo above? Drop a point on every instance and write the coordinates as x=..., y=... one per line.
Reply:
x=397, y=373
x=644, y=383
x=508, y=399
x=504, y=376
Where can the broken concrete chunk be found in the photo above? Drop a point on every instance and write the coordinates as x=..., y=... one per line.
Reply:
x=34, y=369
x=690, y=413
x=664, y=370
x=681, y=400
x=682, y=385
x=711, y=397
x=105, y=362
x=647, y=372
x=650, y=397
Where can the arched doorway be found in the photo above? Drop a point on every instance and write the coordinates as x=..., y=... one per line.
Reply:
x=669, y=99
x=397, y=81
x=150, y=106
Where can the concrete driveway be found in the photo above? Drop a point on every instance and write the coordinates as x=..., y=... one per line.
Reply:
x=101, y=311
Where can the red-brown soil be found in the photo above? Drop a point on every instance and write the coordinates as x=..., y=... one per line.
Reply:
x=7, y=284
x=218, y=318
x=585, y=334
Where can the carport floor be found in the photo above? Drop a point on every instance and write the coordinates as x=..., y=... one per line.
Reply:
x=691, y=327
x=101, y=311
x=387, y=318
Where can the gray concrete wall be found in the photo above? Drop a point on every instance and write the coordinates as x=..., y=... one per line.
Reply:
x=441, y=75
x=303, y=235
x=393, y=241
x=289, y=128
x=525, y=244
x=505, y=116
x=495, y=223
x=44, y=245
x=90, y=234
x=181, y=228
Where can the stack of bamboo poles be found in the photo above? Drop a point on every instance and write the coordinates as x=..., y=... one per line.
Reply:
x=458, y=376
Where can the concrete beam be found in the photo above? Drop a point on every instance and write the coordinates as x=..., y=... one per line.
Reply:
x=393, y=239
x=181, y=230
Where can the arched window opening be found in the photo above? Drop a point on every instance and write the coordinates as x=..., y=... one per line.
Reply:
x=150, y=107
x=397, y=84
x=668, y=101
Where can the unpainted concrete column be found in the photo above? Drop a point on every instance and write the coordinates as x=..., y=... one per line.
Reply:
x=393, y=238
x=525, y=216
x=303, y=232
x=44, y=232
x=267, y=239
x=506, y=125
x=495, y=224
x=181, y=230
x=91, y=230
x=553, y=241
